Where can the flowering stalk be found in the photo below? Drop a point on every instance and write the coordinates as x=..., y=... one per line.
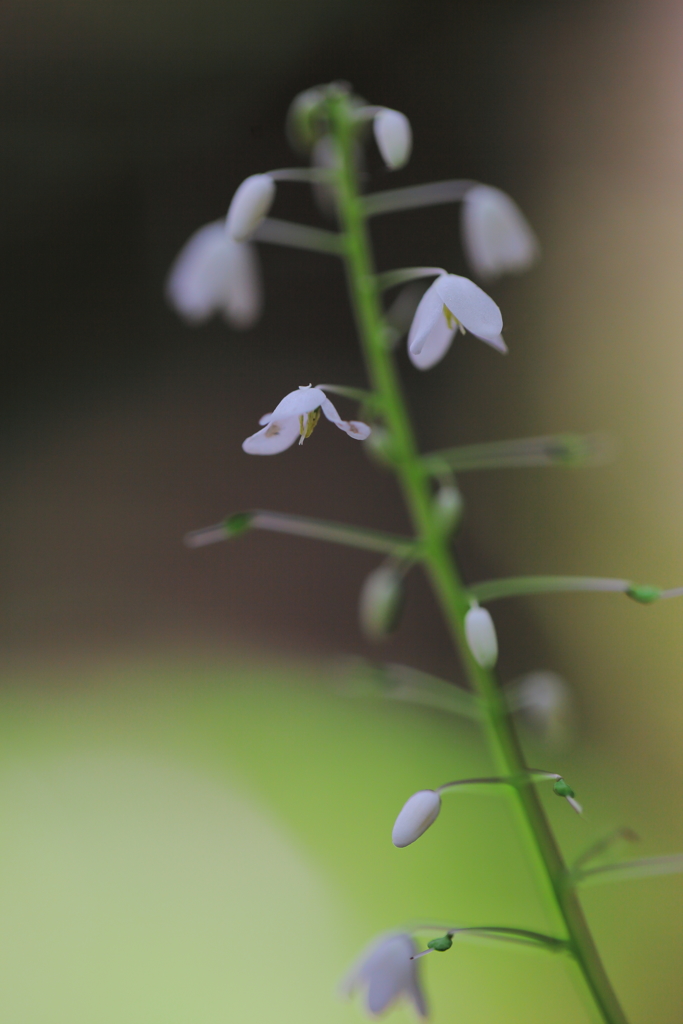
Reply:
x=453, y=597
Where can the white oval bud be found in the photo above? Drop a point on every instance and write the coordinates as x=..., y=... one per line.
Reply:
x=481, y=637
x=393, y=136
x=417, y=814
x=496, y=235
x=448, y=507
x=381, y=601
x=249, y=205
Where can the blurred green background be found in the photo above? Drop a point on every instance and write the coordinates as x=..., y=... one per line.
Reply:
x=194, y=825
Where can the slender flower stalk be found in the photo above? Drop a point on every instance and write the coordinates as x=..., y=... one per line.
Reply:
x=452, y=595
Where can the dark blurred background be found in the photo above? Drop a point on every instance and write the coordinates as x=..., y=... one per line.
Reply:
x=126, y=127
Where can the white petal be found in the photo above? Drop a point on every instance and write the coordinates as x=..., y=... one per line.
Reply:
x=496, y=235
x=388, y=971
x=242, y=294
x=299, y=402
x=394, y=137
x=429, y=337
x=354, y=428
x=249, y=206
x=266, y=418
x=481, y=637
x=274, y=438
x=475, y=310
x=417, y=814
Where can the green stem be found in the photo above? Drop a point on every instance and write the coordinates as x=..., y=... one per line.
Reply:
x=443, y=572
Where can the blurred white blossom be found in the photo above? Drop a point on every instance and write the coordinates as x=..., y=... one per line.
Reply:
x=496, y=235
x=481, y=637
x=296, y=417
x=387, y=972
x=250, y=204
x=214, y=274
x=394, y=137
x=450, y=304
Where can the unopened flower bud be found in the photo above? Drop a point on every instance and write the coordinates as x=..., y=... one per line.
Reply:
x=417, y=814
x=381, y=601
x=441, y=944
x=481, y=637
x=448, y=507
x=303, y=118
x=249, y=206
x=394, y=137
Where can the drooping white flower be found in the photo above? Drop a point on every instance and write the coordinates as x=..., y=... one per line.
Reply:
x=387, y=972
x=419, y=812
x=295, y=417
x=381, y=601
x=496, y=235
x=249, y=206
x=214, y=274
x=481, y=637
x=394, y=137
x=452, y=303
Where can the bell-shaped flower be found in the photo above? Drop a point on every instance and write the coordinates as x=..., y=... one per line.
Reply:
x=452, y=303
x=296, y=417
x=387, y=971
x=419, y=812
x=496, y=235
x=481, y=637
x=249, y=206
x=394, y=137
x=214, y=274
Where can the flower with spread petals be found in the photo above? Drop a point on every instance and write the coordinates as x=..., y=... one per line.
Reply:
x=249, y=206
x=387, y=972
x=296, y=417
x=393, y=136
x=418, y=812
x=451, y=304
x=214, y=274
x=496, y=235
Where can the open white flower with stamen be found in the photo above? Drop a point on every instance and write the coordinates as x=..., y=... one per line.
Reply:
x=418, y=812
x=394, y=137
x=214, y=274
x=451, y=304
x=249, y=206
x=496, y=235
x=296, y=417
x=387, y=972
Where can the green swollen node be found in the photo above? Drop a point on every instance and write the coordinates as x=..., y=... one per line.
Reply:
x=644, y=594
x=441, y=944
x=562, y=789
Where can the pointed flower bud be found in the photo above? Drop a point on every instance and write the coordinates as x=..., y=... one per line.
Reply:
x=451, y=304
x=381, y=601
x=249, y=206
x=448, y=507
x=393, y=136
x=496, y=235
x=481, y=637
x=417, y=814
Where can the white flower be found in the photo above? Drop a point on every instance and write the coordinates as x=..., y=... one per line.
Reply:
x=381, y=601
x=415, y=817
x=481, y=637
x=296, y=416
x=496, y=235
x=393, y=136
x=214, y=274
x=450, y=304
x=249, y=206
x=387, y=972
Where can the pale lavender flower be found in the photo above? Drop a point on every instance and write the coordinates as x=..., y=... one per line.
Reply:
x=496, y=235
x=249, y=206
x=393, y=136
x=296, y=417
x=214, y=274
x=452, y=303
x=387, y=972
